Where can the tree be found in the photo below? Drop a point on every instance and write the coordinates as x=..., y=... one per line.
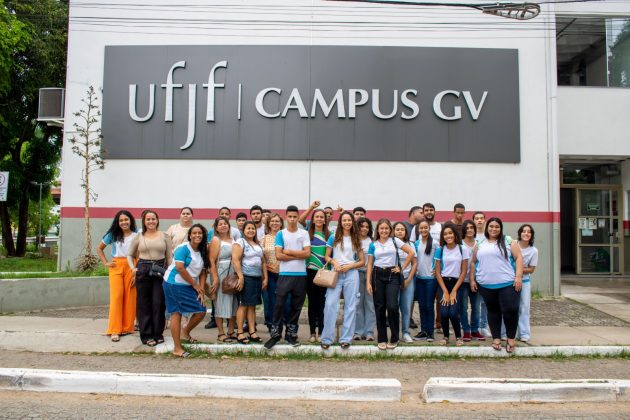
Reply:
x=32, y=55
x=87, y=145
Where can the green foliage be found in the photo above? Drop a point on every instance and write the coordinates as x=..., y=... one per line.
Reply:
x=29, y=150
x=26, y=264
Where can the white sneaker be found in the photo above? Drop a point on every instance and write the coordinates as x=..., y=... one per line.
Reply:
x=486, y=332
x=407, y=338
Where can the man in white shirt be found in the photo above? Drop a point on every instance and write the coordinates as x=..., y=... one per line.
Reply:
x=435, y=228
x=255, y=214
x=293, y=247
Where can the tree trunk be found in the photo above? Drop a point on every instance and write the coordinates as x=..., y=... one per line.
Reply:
x=20, y=248
x=7, y=233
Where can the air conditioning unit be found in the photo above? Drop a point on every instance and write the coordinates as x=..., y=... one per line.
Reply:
x=51, y=105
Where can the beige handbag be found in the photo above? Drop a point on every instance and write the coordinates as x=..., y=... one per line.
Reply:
x=326, y=278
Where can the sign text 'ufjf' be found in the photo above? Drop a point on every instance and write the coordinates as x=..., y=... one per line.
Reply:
x=311, y=102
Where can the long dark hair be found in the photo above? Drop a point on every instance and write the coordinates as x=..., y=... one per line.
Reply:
x=451, y=226
x=144, y=216
x=354, y=233
x=531, y=229
x=500, y=238
x=115, y=230
x=311, y=228
x=369, y=223
x=203, y=246
x=429, y=246
x=405, y=238
x=249, y=222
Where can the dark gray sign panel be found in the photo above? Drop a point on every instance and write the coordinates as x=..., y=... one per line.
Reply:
x=311, y=102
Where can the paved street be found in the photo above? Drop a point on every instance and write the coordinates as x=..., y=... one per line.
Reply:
x=411, y=373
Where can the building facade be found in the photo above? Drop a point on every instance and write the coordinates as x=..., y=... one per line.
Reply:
x=384, y=106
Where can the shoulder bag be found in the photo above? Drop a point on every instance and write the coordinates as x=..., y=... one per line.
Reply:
x=229, y=285
x=326, y=277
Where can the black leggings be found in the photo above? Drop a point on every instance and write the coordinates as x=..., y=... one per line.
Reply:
x=386, y=295
x=503, y=306
x=316, y=301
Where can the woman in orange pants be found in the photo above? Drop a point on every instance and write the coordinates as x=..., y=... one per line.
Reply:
x=122, y=290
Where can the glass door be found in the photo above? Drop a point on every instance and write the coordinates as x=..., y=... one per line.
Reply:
x=598, y=231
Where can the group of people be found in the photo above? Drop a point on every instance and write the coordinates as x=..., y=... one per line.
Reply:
x=467, y=275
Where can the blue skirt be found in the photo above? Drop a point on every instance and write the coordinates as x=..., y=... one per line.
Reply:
x=181, y=299
x=251, y=295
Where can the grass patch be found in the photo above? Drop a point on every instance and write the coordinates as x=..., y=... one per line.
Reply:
x=31, y=263
x=537, y=295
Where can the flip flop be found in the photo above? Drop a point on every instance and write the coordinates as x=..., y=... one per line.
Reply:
x=509, y=348
x=151, y=343
x=183, y=355
x=497, y=346
x=115, y=338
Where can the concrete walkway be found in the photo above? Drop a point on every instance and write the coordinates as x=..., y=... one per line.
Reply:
x=610, y=295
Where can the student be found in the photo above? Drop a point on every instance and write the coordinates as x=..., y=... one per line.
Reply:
x=255, y=214
x=359, y=212
x=220, y=251
x=428, y=211
x=293, y=247
x=249, y=264
x=235, y=233
x=265, y=216
x=179, y=231
x=458, y=218
x=414, y=217
x=426, y=283
x=241, y=218
x=184, y=286
x=470, y=326
x=344, y=253
x=329, y=214
x=318, y=234
x=451, y=261
x=479, y=218
x=384, y=280
x=530, y=261
x=122, y=290
x=498, y=281
x=273, y=267
x=365, y=317
x=407, y=288
x=304, y=217
x=152, y=250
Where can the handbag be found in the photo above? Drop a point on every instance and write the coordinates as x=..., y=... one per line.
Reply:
x=229, y=285
x=326, y=278
x=157, y=269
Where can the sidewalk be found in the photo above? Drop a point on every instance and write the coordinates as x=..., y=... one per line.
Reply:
x=558, y=322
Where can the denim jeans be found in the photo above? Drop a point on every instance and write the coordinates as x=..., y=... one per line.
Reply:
x=269, y=299
x=473, y=297
x=450, y=312
x=386, y=294
x=348, y=283
x=425, y=293
x=483, y=313
x=366, y=318
x=524, y=330
x=406, y=302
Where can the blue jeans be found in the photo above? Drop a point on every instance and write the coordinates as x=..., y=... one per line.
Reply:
x=406, y=302
x=483, y=314
x=450, y=312
x=425, y=293
x=347, y=282
x=366, y=317
x=475, y=300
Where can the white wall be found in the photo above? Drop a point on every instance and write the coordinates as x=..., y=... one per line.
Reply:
x=593, y=121
x=500, y=187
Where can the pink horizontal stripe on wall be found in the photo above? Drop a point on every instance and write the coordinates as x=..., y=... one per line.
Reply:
x=374, y=215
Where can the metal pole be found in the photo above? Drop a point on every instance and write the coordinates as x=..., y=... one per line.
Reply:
x=39, y=229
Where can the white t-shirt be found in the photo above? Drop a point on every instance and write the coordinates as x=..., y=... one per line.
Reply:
x=365, y=246
x=385, y=253
x=251, y=264
x=530, y=259
x=295, y=241
x=402, y=255
x=345, y=255
x=193, y=262
x=470, y=249
x=451, y=259
x=435, y=230
x=493, y=270
x=426, y=265
x=120, y=249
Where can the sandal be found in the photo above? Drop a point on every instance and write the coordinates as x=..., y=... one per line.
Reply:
x=459, y=342
x=253, y=337
x=392, y=346
x=444, y=342
x=345, y=345
x=382, y=346
x=226, y=338
x=243, y=340
x=183, y=355
x=189, y=340
x=497, y=345
x=151, y=343
x=115, y=338
x=325, y=346
x=509, y=348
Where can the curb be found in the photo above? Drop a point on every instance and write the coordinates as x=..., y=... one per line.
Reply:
x=493, y=390
x=401, y=351
x=172, y=385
